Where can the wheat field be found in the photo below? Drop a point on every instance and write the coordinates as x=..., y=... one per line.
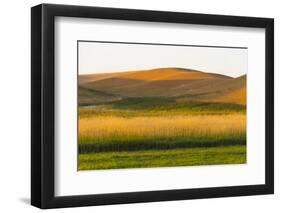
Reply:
x=110, y=142
x=106, y=128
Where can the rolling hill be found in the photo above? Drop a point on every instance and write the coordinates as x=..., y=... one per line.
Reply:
x=176, y=83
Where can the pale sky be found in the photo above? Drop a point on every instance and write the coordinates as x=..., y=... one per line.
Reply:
x=97, y=57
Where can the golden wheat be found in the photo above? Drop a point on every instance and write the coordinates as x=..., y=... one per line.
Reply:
x=169, y=126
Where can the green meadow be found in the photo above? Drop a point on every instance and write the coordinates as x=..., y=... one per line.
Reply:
x=164, y=158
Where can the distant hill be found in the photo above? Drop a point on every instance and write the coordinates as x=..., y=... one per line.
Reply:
x=237, y=95
x=91, y=96
x=181, y=84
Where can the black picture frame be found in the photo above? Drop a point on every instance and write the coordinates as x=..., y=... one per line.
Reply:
x=43, y=110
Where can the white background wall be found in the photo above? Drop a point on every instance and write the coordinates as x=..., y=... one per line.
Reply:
x=15, y=105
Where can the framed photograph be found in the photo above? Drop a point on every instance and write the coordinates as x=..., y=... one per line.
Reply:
x=136, y=106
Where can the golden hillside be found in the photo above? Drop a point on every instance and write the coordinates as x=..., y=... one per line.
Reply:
x=182, y=84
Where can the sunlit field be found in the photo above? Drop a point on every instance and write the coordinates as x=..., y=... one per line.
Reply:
x=161, y=117
x=121, y=136
x=108, y=133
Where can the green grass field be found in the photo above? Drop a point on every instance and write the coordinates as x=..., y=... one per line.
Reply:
x=163, y=158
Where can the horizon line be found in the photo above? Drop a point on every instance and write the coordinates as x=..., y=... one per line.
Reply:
x=151, y=69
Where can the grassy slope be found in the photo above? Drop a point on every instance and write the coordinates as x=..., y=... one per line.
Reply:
x=182, y=84
x=88, y=96
x=237, y=96
x=164, y=158
x=171, y=73
x=159, y=106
